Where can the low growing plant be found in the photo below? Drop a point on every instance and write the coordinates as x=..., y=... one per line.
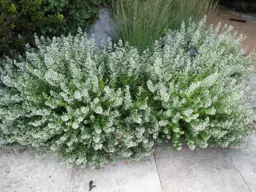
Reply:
x=94, y=105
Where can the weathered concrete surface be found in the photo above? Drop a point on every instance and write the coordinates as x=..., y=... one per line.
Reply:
x=202, y=170
x=119, y=177
x=24, y=171
x=210, y=170
x=27, y=171
x=245, y=161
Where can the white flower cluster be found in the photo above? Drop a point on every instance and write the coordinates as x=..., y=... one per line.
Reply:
x=93, y=106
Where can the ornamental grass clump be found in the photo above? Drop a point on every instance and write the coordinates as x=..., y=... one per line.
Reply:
x=142, y=22
x=93, y=105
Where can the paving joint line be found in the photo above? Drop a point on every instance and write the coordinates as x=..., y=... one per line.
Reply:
x=240, y=173
x=158, y=172
x=71, y=179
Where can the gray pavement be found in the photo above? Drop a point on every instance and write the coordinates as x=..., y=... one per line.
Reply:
x=211, y=170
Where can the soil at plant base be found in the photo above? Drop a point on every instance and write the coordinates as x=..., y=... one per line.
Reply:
x=248, y=29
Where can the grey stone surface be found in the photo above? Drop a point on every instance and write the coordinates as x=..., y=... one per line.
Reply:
x=252, y=98
x=23, y=171
x=192, y=52
x=248, y=17
x=203, y=170
x=211, y=170
x=251, y=18
x=245, y=161
x=122, y=176
x=104, y=28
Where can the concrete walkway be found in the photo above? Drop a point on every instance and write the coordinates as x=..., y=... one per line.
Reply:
x=211, y=170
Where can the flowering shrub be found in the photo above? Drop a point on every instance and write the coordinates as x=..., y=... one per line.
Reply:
x=92, y=106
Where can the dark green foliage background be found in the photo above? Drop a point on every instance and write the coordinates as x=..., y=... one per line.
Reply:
x=20, y=19
x=240, y=5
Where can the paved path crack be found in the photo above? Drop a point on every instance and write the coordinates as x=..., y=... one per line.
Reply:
x=158, y=171
x=240, y=173
x=71, y=180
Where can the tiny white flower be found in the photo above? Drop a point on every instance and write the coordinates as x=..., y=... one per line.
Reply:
x=75, y=125
x=77, y=95
x=98, y=110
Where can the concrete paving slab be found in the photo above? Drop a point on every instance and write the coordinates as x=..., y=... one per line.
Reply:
x=122, y=176
x=252, y=98
x=28, y=171
x=202, y=170
x=245, y=161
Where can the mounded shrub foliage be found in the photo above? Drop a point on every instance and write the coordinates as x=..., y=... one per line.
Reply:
x=93, y=106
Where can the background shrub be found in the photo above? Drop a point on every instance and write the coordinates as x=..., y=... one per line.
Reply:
x=240, y=5
x=92, y=106
x=20, y=19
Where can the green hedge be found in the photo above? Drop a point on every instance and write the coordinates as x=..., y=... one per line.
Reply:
x=20, y=19
x=93, y=106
